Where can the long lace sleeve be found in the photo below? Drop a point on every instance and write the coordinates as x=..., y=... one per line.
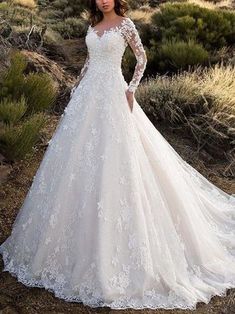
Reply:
x=133, y=39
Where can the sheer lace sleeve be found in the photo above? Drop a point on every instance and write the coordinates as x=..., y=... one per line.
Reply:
x=133, y=39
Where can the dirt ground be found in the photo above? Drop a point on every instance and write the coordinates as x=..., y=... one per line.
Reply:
x=15, y=182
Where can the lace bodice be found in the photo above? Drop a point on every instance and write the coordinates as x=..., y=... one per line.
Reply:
x=108, y=48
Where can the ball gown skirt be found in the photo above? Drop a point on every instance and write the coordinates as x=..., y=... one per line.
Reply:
x=114, y=216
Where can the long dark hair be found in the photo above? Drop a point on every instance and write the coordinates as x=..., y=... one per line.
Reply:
x=96, y=15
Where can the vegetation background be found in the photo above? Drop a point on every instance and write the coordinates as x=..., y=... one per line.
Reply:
x=188, y=92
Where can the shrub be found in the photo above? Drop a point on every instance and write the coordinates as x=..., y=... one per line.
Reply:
x=39, y=92
x=23, y=100
x=20, y=15
x=18, y=21
x=43, y=3
x=26, y=3
x=52, y=16
x=37, y=88
x=70, y=28
x=184, y=21
x=52, y=37
x=12, y=80
x=213, y=5
x=3, y=7
x=18, y=141
x=133, y=4
x=12, y=111
x=180, y=55
x=71, y=8
x=60, y=4
x=170, y=98
x=183, y=34
x=201, y=102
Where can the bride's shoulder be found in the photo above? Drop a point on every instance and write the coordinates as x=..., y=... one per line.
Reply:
x=127, y=23
x=127, y=20
x=128, y=28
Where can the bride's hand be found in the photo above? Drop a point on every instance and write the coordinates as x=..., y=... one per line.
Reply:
x=130, y=99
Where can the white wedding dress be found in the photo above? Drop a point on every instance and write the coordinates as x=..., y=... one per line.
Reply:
x=115, y=217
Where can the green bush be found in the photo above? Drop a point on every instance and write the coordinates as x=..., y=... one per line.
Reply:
x=18, y=21
x=18, y=141
x=12, y=111
x=183, y=34
x=146, y=32
x=52, y=16
x=133, y=4
x=184, y=21
x=23, y=100
x=180, y=55
x=12, y=81
x=20, y=16
x=60, y=4
x=70, y=8
x=43, y=4
x=70, y=28
x=37, y=88
x=39, y=92
x=3, y=6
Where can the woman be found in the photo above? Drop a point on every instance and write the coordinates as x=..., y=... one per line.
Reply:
x=115, y=217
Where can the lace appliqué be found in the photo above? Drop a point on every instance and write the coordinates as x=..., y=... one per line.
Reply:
x=84, y=68
x=132, y=37
x=82, y=73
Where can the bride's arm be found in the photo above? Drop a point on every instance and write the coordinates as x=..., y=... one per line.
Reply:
x=134, y=41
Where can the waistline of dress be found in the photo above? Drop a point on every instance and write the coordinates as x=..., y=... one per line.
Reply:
x=106, y=69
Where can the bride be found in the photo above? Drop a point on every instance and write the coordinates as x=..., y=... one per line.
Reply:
x=114, y=216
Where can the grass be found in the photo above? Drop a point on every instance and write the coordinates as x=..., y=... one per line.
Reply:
x=214, y=5
x=200, y=102
x=142, y=15
x=26, y=3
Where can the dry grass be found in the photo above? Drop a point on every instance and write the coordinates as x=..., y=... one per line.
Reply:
x=219, y=82
x=213, y=5
x=216, y=83
x=26, y=3
x=201, y=101
x=144, y=14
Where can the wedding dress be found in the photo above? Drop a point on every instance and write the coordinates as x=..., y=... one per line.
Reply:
x=114, y=216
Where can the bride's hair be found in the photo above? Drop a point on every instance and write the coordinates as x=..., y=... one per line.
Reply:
x=96, y=15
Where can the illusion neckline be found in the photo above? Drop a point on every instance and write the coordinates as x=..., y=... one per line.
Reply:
x=116, y=27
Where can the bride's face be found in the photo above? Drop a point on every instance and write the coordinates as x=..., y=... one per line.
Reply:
x=105, y=6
